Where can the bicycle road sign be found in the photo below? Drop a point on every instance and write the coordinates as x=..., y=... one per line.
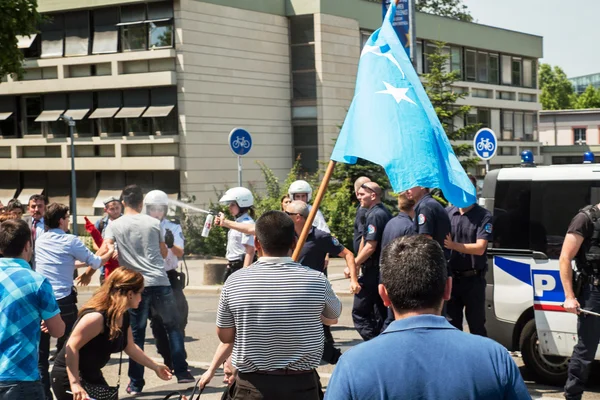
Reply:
x=485, y=143
x=240, y=141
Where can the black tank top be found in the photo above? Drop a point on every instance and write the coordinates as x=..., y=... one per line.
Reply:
x=95, y=354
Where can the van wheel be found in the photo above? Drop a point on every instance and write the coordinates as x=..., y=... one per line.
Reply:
x=551, y=370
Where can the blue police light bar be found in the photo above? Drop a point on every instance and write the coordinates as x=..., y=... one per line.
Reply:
x=588, y=157
x=527, y=159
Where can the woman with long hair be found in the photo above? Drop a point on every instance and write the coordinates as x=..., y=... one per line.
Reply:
x=285, y=200
x=101, y=329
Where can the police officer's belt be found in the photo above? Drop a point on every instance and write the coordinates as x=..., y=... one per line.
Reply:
x=467, y=274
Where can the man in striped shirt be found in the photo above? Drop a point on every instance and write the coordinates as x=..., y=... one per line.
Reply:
x=273, y=312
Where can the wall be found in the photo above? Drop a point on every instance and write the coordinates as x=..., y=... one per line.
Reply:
x=234, y=71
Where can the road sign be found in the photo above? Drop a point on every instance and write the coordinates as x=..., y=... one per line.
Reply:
x=240, y=141
x=485, y=144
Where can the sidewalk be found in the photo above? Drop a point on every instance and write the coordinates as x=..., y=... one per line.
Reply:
x=196, y=277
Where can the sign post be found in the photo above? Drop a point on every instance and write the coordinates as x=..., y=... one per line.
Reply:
x=401, y=23
x=240, y=143
x=485, y=145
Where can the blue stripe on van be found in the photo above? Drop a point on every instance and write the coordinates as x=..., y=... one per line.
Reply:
x=519, y=270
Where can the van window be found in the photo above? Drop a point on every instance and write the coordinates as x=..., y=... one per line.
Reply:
x=553, y=205
x=511, y=214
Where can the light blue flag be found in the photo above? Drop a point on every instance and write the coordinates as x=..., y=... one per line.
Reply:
x=391, y=122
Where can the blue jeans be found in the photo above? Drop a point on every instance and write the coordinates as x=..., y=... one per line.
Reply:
x=162, y=300
x=20, y=390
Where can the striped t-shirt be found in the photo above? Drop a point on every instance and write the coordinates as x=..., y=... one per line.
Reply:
x=275, y=306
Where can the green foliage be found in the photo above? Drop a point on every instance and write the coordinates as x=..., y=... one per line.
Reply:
x=17, y=17
x=445, y=8
x=193, y=224
x=557, y=90
x=590, y=98
x=438, y=85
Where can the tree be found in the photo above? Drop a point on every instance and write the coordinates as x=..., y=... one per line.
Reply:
x=588, y=99
x=445, y=8
x=18, y=17
x=438, y=85
x=557, y=90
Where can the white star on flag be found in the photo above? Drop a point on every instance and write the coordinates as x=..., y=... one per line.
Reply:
x=377, y=51
x=398, y=93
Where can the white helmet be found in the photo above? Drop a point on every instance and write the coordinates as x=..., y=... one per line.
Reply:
x=157, y=198
x=300, y=186
x=242, y=196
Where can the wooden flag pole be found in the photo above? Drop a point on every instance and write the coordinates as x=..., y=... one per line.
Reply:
x=313, y=211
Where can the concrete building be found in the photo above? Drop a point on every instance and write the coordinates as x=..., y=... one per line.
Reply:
x=567, y=134
x=156, y=87
x=580, y=83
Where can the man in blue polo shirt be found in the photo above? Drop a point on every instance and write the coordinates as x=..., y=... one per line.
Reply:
x=425, y=357
x=26, y=299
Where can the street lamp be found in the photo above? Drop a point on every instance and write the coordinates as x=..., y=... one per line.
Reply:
x=71, y=123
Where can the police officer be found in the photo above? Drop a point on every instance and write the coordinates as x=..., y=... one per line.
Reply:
x=582, y=244
x=240, y=246
x=471, y=229
x=317, y=247
x=359, y=223
x=301, y=190
x=368, y=311
x=156, y=204
x=400, y=225
x=431, y=219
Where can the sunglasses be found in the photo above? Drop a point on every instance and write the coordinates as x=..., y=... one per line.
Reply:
x=290, y=214
x=364, y=186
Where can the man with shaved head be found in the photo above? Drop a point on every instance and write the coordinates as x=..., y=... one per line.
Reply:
x=368, y=311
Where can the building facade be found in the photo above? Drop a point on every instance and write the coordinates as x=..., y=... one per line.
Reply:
x=580, y=83
x=156, y=87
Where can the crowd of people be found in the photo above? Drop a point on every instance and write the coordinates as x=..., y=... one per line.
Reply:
x=412, y=277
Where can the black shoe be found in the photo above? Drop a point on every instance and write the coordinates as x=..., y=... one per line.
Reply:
x=187, y=377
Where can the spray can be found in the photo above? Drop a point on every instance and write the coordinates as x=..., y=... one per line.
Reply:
x=208, y=225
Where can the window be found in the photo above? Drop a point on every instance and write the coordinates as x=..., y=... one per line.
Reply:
x=137, y=126
x=566, y=160
x=511, y=215
x=529, y=120
x=364, y=38
x=501, y=95
x=516, y=71
x=579, y=135
x=456, y=60
x=482, y=67
x=527, y=73
x=483, y=117
x=162, y=111
x=526, y=97
x=306, y=145
x=111, y=126
x=518, y=124
x=77, y=33
x=493, y=69
x=165, y=126
x=53, y=36
x=32, y=108
x=304, y=77
x=133, y=37
x=161, y=34
x=507, y=125
x=506, y=70
x=470, y=60
x=507, y=150
x=106, y=32
x=8, y=126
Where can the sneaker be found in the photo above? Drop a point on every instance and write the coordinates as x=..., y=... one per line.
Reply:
x=187, y=377
x=130, y=390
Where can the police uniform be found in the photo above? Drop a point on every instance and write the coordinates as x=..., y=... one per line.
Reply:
x=368, y=311
x=588, y=327
x=171, y=262
x=236, y=252
x=359, y=226
x=400, y=225
x=468, y=271
x=318, y=245
x=431, y=219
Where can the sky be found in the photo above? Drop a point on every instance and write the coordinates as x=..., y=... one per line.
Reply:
x=570, y=28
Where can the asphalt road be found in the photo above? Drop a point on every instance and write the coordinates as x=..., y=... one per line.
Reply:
x=201, y=342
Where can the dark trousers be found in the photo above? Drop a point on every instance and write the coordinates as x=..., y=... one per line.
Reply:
x=61, y=383
x=368, y=311
x=331, y=354
x=588, y=335
x=468, y=294
x=232, y=266
x=161, y=299
x=68, y=312
x=255, y=386
x=158, y=328
x=19, y=390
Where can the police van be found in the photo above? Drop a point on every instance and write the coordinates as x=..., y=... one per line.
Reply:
x=532, y=208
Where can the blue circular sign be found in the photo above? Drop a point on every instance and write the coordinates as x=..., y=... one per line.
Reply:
x=485, y=143
x=240, y=141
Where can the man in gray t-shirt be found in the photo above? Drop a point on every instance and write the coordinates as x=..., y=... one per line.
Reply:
x=142, y=248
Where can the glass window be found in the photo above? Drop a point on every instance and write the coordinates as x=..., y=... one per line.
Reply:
x=483, y=117
x=137, y=126
x=529, y=126
x=166, y=125
x=506, y=70
x=77, y=32
x=161, y=34
x=364, y=38
x=507, y=125
x=447, y=59
x=53, y=36
x=527, y=73
x=482, y=67
x=516, y=71
x=111, y=126
x=493, y=69
x=160, y=10
x=419, y=56
x=471, y=69
x=511, y=214
x=134, y=37
x=518, y=126
x=457, y=60
x=507, y=150
x=306, y=146
x=305, y=85
x=302, y=29
x=33, y=108
x=303, y=57
x=579, y=135
x=106, y=32
x=57, y=128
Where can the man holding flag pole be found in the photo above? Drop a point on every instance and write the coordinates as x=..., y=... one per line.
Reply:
x=391, y=122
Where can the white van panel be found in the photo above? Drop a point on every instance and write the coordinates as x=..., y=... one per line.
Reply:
x=577, y=172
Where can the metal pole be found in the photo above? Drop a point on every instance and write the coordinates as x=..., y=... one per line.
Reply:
x=487, y=166
x=239, y=171
x=73, y=178
x=412, y=32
